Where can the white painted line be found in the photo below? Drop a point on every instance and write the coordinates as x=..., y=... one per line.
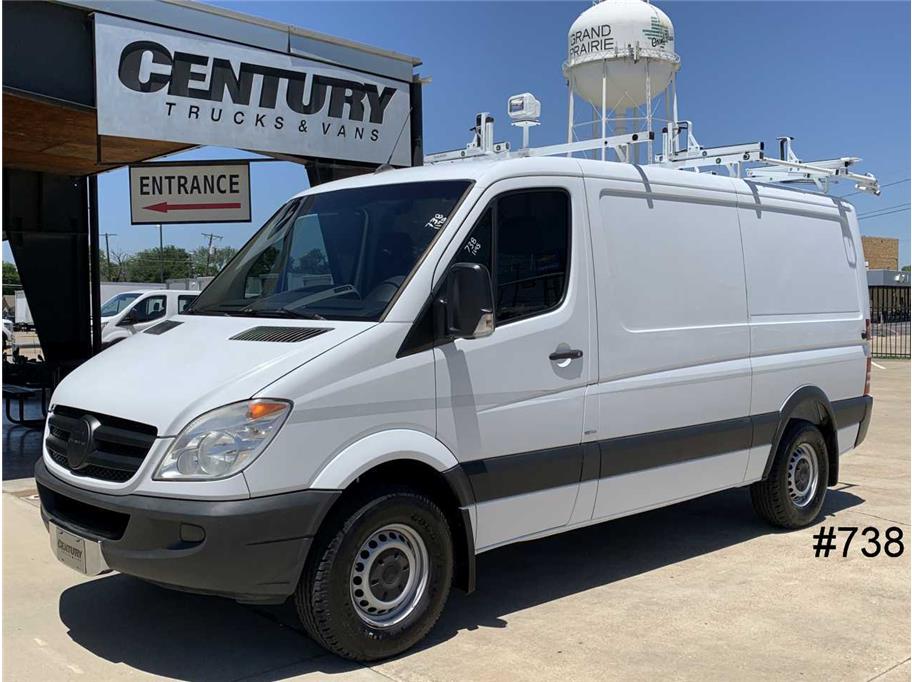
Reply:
x=877, y=366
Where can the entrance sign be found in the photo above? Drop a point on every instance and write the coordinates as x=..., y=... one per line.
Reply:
x=190, y=193
x=159, y=84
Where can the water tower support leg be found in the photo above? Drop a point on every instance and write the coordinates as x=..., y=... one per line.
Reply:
x=674, y=112
x=604, y=97
x=649, y=157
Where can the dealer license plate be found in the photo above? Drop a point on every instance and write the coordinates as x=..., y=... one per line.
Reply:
x=80, y=554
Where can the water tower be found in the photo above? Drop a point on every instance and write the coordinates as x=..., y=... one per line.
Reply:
x=621, y=60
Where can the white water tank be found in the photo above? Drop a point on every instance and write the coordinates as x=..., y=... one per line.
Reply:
x=625, y=40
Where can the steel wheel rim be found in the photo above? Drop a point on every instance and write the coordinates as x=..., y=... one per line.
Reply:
x=803, y=475
x=389, y=575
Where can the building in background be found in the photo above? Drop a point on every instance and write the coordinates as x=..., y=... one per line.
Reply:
x=889, y=287
x=881, y=253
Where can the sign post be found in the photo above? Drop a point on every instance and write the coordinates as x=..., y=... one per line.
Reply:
x=173, y=193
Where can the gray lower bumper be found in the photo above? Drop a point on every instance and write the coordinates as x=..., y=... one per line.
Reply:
x=249, y=550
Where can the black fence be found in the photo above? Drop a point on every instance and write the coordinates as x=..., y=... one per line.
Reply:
x=890, y=322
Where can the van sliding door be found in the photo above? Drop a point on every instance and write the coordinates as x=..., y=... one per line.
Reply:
x=673, y=392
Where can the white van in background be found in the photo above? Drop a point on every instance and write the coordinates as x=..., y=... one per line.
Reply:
x=131, y=312
x=404, y=369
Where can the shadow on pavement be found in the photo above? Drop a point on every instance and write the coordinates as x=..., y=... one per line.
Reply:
x=523, y=575
x=191, y=637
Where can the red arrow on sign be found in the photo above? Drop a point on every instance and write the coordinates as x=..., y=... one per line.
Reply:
x=164, y=207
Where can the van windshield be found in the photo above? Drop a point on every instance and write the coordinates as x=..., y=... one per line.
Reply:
x=333, y=255
x=117, y=303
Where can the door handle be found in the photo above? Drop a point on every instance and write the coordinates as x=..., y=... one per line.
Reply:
x=565, y=355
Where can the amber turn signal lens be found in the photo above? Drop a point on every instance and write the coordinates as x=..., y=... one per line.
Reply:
x=264, y=409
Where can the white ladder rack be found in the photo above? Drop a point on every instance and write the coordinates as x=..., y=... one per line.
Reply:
x=691, y=157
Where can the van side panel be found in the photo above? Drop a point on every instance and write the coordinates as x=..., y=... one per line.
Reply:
x=674, y=370
x=807, y=306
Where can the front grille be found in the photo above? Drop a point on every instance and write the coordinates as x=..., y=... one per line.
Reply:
x=120, y=447
x=279, y=334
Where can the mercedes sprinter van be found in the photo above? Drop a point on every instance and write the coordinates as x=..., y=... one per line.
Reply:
x=402, y=370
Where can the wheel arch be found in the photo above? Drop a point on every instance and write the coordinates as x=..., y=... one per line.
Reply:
x=403, y=456
x=810, y=404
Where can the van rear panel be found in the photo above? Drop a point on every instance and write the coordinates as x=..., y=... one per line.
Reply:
x=806, y=300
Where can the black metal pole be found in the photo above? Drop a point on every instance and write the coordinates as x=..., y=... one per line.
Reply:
x=417, y=123
x=94, y=265
x=161, y=253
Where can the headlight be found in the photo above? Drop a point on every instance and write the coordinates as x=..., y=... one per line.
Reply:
x=222, y=442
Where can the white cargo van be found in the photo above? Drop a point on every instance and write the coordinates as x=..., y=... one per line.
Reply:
x=402, y=370
x=131, y=312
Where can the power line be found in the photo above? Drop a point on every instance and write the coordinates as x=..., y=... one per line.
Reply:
x=885, y=213
x=209, y=250
x=889, y=184
x=881, y=215
x=106, y=235
x=885, y=208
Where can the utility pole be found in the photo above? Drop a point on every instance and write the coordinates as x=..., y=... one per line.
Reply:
x=209, y=250
x=161, y=253
x=106, y=235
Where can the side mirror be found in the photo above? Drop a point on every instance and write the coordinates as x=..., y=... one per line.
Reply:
x=469, y=302
x=129, y=319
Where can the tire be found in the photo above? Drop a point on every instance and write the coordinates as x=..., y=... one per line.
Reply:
x=342, y=559
x=785, y=499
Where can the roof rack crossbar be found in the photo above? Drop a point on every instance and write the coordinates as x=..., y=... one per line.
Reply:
x=681, y=151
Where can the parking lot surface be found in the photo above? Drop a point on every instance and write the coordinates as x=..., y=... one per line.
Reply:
x=700, y=590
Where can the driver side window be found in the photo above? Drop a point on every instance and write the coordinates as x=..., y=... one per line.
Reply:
x=523, y=238
x=149, y=309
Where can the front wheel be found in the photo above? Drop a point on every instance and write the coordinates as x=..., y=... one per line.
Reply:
x=792, y=495
x=378, y=579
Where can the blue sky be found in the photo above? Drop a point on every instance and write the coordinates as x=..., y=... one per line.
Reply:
x=835, y=75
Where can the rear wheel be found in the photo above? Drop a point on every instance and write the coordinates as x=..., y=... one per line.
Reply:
x=377, y=580
x=793, y=493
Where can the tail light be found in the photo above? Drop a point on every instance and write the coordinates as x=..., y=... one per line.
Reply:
x=867, y=336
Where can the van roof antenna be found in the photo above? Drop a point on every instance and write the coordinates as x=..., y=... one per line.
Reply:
x=388, y=165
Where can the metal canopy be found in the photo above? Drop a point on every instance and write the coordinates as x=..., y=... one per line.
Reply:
x=215, y=22
x=49, y=86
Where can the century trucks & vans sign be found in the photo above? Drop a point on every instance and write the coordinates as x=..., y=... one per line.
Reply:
x=157, y=84
x=206, y=192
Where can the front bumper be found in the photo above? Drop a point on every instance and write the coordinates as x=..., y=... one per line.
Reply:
x=252, y=550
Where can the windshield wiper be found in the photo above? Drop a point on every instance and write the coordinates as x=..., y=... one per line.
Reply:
x=281, y=312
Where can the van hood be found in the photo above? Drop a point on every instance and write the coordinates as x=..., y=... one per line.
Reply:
x=166, y=379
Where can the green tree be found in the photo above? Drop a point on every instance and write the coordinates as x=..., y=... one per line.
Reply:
x=11, y=280
x=116, y=270
x=216, y=259
x=146, y=265
x=906, y=268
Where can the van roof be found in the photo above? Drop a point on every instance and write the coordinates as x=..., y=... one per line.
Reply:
x=140, y=292
x=487, y=171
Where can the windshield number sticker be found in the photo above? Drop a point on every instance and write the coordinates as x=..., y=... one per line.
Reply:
x=437, y=221
x=473, y=246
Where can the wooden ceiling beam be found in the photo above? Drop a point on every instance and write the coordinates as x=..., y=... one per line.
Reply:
x=51, y=136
